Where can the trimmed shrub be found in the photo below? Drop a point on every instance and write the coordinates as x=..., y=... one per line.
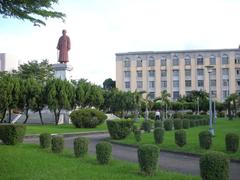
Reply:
x=119, y=128
x=80, y=146
x=137, y=135
x=177, y=115
x=186, y=123
x=205, y=139
x=148, y=155
x=87, y=118
x=158, y=135
x=214, y=166
x=12, y=134
x=232, y=142
x=147, y=126
x=192, y=123
x=45, y=140
x=57, y=144
x=158, y=124
x=104, y=152
x=168, y=125
x=178, y=124
x=180, y=138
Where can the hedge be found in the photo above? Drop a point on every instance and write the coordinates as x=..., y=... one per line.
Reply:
x=158, y=135
x=80, y=146
x=57, y=144
x=205, y=139
x=180, y=138
x=104, y=152
x=168, y=125
x=178, y=124
x=232, y=142
x=45, y=140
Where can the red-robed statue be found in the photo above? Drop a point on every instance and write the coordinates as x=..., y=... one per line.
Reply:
x=63, y=46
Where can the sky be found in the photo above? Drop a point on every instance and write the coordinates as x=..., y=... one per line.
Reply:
x=100, y=28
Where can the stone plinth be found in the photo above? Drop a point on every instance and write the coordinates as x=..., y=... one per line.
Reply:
x=62, y=71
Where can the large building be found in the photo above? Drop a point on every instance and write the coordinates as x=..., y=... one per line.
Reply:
x=8, y=62
x=180, y=72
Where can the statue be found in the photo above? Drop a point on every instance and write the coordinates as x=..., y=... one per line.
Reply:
x=63, y=46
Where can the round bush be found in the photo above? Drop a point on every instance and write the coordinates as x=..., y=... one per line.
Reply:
x=180, y=138
x=214, y=166
x=104, y=152
x=168, y=125
x=57, y=144
x=205, y=139
x=178, y=124
x=158, y=135
x=119, y=128
x=158, y=124
x=45, y=140
x=147, y=126
x=232, y=142
x=137, y=135
x=186, y=123
x=87, y=118
x=148, y=155
x=80, y=146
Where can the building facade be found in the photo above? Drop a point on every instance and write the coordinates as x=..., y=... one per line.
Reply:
x=180, y=72
x=8, y=62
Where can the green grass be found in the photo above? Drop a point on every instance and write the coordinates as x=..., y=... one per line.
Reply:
x=223, y=127
x=63, y=128
x=28, y=161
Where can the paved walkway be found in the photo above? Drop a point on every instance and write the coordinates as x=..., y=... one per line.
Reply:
x=168, y=161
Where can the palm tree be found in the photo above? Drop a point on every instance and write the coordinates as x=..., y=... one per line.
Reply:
x=232, y=98
x=164, y=99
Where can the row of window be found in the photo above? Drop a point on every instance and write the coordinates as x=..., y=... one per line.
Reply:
x=188, y=83
x=175, y=60
x=200, y=72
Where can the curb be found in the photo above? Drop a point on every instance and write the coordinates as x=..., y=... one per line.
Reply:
x=67, y=134
x=167, y=151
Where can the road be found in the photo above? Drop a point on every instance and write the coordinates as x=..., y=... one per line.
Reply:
x=168, y=161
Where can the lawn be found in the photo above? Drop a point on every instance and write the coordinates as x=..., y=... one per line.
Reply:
x=63, y=128
x=222, y=128
x=28, y=161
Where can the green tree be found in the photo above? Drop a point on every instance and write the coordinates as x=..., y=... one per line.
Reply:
x=109, y=84
x=31, y=10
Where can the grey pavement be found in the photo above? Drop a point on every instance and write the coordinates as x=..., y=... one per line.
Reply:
x=169, y=161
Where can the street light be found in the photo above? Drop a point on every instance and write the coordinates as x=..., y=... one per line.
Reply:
x=211, y=130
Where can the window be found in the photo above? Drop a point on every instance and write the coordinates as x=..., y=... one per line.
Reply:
x=163, y=84
x=238, y=71
x=188, y=83
x=127, y=74
x=175, y=61
x=225, y=59
x=163, y=73
x=200, y=83
x=188, y=93
x=139, y=62
x=151, y=73
x=238, y=82
x=139, y=84
x=151, y=61
x=175, y=72
x=151, y=95
x=127, y=84
x=139, y=74
x=225, y=71
x=127, y=62
x=200, y=60
x=187, y=72
x=187, y=60
x=213, y=73
x=163, y=61
x=225, y=94
x=175, y=83
x=151, y=84
x=237, y=59
x=212, y=60
x=214, y=94
x=200, y=72
x=212, y=83
x=225, y=82
x=175, y=94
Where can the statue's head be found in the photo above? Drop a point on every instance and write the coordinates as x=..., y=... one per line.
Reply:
x=64, y=31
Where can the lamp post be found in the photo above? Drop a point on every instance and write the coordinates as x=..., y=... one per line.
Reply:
x=198, y=105
x=211, y=130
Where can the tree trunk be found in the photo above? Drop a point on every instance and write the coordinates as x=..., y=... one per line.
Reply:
x=4, y=114
x=40, y=115
x=25, y=121
x=9, y=115
x=55, y=115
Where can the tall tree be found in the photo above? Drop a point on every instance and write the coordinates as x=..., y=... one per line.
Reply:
x=109, y=84
x=31, y=10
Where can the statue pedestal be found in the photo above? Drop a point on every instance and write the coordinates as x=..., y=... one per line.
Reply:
x=62, y=71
